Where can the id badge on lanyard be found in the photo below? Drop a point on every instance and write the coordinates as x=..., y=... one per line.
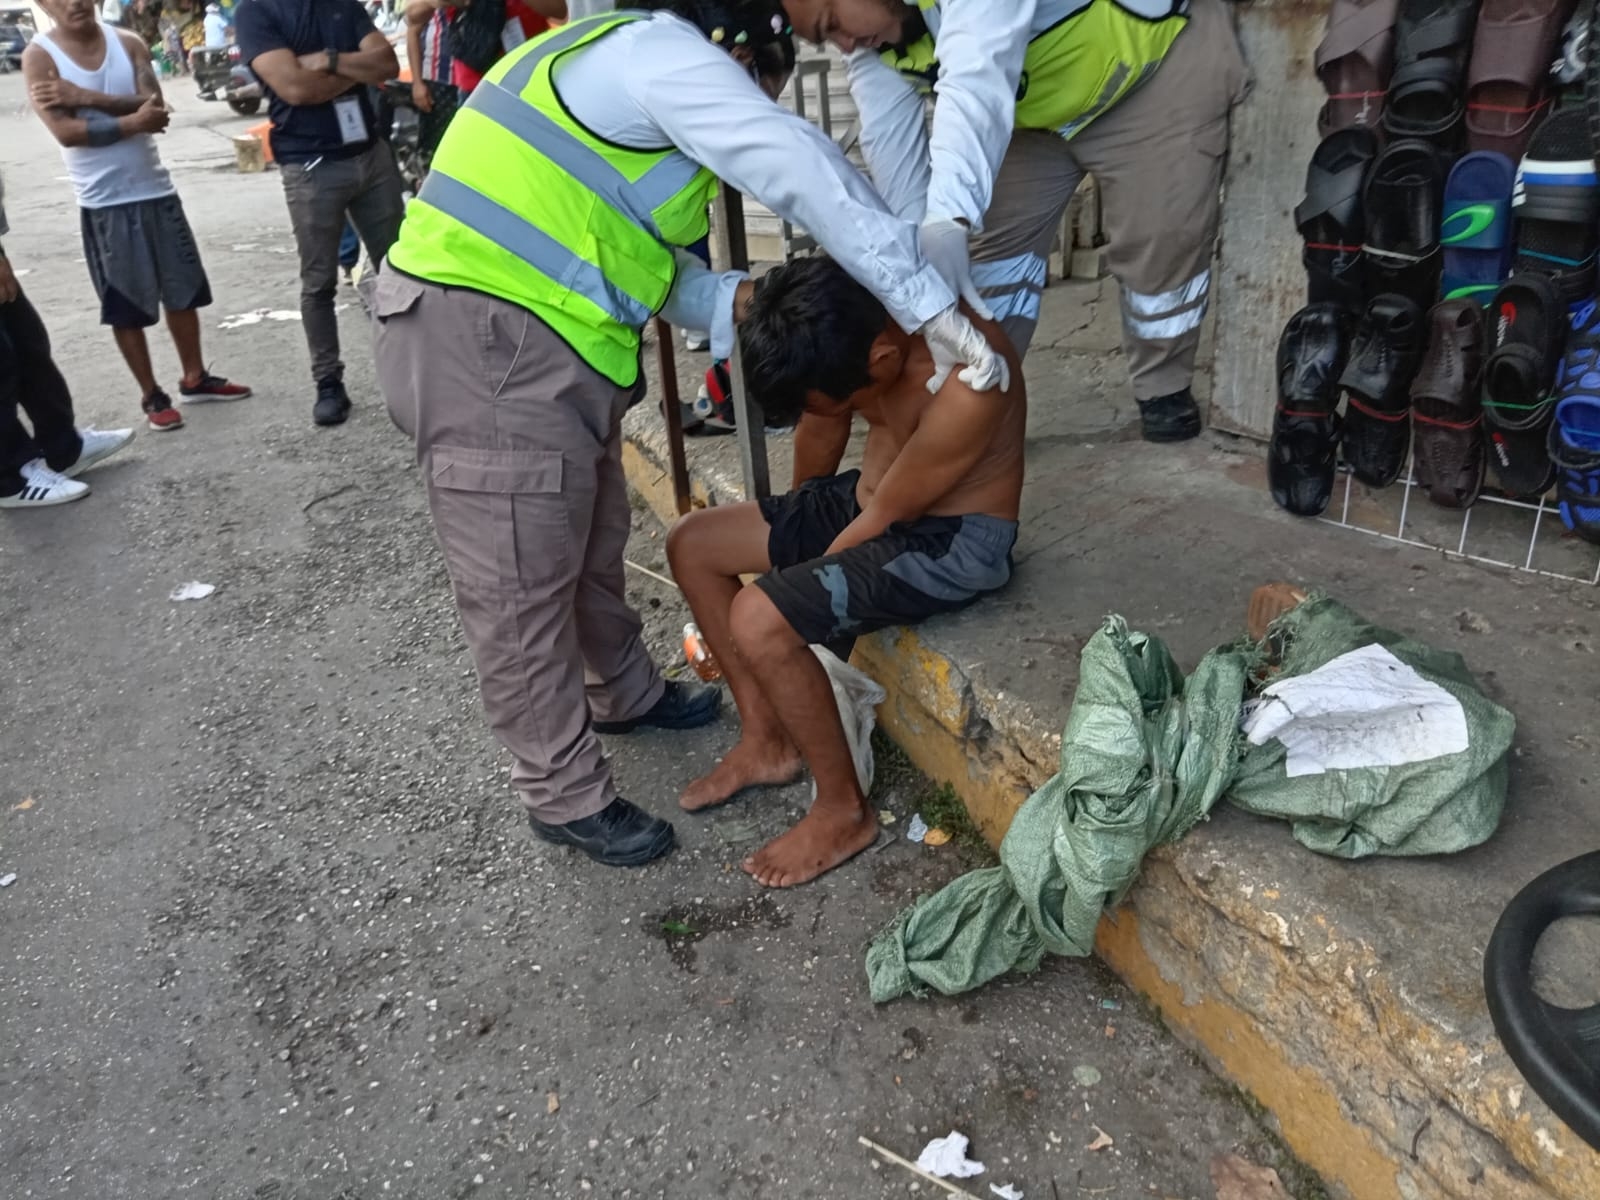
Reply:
x=352, y=121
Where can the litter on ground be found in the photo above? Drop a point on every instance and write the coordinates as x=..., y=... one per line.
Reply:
x=947, y=1158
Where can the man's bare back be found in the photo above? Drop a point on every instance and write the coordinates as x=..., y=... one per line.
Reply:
x=993, y=485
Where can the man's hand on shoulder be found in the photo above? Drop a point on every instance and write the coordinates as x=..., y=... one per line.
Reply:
x=57, y=93
x=954, y=340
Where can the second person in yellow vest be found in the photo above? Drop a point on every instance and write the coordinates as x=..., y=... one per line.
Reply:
x=1031, y=95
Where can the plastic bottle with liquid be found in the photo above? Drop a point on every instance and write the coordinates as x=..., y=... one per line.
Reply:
x=698, y=653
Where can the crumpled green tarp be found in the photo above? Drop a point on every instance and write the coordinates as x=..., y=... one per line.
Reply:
x=1145, y=755
x=1439, y=806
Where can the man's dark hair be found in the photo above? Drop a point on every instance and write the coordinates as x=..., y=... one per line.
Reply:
x=810, y=328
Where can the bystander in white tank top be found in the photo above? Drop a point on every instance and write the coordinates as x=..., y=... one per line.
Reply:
x=127, y=171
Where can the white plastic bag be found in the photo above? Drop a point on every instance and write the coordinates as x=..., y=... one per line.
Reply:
x=858, y=696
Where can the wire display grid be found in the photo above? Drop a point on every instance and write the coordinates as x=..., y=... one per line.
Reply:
x=1461, y=550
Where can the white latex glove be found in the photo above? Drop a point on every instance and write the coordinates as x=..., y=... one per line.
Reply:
x=953, y=340
x=944, y=245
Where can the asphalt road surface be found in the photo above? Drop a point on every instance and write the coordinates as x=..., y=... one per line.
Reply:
x=278, y=929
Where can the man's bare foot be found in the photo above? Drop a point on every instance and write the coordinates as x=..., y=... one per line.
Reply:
x=824, y=838
x=748, y=764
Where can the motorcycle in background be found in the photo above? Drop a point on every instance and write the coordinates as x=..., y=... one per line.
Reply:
x=397, y=113
x=221, y=73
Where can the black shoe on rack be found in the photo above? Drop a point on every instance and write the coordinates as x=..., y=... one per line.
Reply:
x=1376, y=381
x=1303, y=455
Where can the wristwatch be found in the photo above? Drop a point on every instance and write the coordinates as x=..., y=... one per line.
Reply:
x=333, y=61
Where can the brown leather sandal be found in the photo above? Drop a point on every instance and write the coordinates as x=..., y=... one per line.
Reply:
x=1508, y=74
x=1447, y=446
x=1354, y=60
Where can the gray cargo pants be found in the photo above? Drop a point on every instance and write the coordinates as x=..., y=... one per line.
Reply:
x=1157, y=158
x=520, y=445
x=320, y=193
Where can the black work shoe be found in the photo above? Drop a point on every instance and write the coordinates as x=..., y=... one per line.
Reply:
x=333, y=402
x=1173, y=418
x=682, y=706
x=619, y=835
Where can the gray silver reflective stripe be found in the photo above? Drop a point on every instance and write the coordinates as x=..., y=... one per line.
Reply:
x=522, y=70
x=502, y=103
x=1108, y=95
x=638, y=201
x=532, y=245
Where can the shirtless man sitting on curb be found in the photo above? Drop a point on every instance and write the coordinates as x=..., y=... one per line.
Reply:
x=925, y=526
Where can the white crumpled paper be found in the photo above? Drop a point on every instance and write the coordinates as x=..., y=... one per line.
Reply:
x=947, y=1158
x=1005, y=1191
x=193, y=591
x=1363, y=709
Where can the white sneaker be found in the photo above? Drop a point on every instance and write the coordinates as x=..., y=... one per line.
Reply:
x=98, y=444
x=42, y=487
x=696, y=339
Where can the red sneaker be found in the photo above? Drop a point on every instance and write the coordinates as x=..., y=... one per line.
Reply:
x=210, y=387
x=159, y=412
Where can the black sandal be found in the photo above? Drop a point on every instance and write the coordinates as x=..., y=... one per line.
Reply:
x=1383, y=359
x=1330, y=217
x=1527, y=330
x=1432, y=40
x=1303, y=455
x=1404, y=203
x=1556, y=204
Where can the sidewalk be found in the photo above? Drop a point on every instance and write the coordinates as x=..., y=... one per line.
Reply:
x=1345, y=997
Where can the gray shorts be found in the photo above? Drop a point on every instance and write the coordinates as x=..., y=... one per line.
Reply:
x=143, y=257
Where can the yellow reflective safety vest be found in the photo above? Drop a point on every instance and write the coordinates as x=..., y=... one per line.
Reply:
x=524, y=203
x=1083, y=56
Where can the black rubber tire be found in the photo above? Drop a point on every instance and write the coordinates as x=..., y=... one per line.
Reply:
x=1556, y=1049
x=245, y=108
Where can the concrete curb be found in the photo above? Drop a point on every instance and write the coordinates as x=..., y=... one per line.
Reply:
x=1378, y=1090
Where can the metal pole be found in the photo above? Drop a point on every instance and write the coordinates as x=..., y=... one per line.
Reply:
x=677, y=459
x=734, y=255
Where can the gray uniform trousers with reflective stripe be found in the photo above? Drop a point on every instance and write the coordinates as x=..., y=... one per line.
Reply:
x=1157, y=158
x=520, y=445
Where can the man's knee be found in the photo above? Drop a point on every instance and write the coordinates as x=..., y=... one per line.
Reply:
x=319, y=290
x=686, y=540
x=759, y=630
x=707, y=540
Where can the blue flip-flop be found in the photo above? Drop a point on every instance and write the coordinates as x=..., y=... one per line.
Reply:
x=1476, y=229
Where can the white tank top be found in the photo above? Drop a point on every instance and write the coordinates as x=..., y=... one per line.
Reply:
x=124, y=172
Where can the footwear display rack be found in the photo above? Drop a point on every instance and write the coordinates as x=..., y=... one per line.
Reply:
x=1497, y=531
x=1450, y=345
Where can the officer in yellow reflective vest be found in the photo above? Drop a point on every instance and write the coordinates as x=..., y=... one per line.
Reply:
x=1030, y=95
x=509, y=315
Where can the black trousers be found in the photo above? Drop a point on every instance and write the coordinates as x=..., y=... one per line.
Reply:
x=30, y=381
